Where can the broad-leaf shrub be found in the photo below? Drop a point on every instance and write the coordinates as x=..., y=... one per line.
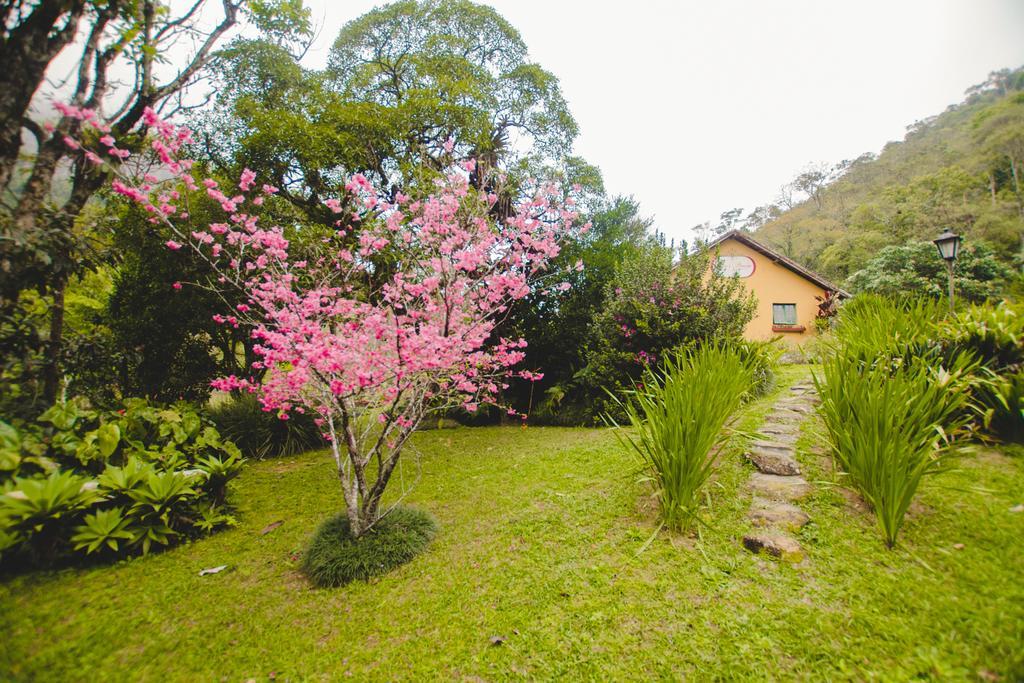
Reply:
x=81, y=481
x=678, y=416
x=995, y=335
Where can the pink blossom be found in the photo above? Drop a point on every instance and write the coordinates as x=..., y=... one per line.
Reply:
x=172, y=245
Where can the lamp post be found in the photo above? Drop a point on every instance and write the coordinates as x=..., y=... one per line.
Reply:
x=948, y=244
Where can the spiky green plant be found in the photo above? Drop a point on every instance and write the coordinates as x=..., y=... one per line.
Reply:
x=678, y=416
x=890, y=424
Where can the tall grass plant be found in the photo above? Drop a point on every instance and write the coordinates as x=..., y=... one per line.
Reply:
x=678, y=417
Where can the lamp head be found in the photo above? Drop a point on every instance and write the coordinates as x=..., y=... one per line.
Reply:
x=948, y=244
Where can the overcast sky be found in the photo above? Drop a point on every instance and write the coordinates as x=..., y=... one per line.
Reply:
x=695, y=108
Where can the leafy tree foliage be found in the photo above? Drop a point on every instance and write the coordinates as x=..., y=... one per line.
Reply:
x=402, y=81
x=916, y=269
x=557, y=324
x=42, y=244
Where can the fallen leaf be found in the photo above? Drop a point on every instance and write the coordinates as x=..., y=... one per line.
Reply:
x=270, y=527
x=212, y=570
x=1017, y=508
x=497, y=640
x=958, y=546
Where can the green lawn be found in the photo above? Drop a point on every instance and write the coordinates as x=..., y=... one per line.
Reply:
x=540, y=530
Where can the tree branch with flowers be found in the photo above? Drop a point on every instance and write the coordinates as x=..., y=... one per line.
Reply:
x=371, y=326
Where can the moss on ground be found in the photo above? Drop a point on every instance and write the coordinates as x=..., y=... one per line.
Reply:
x=539, y=534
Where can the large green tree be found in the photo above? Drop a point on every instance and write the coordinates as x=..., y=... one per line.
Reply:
x=401, y=82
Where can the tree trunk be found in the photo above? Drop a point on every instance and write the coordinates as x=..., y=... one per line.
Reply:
x=52, y=369
x=992, y=186
x=25, y=54
x=1016, y=185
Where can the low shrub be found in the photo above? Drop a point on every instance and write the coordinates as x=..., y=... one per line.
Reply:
x=334, y=558
x=261, y=434
x=678, y=415
x=83, y=482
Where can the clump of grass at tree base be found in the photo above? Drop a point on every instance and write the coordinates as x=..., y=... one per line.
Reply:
x=262, y=434
x=892, y=403
x=678, y=415
x=334, y=558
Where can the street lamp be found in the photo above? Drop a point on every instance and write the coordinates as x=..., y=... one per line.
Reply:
x=948, y=244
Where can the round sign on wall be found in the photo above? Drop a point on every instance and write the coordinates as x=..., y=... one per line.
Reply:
x=736, y=266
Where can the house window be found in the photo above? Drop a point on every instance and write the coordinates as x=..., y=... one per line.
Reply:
x=784, y=314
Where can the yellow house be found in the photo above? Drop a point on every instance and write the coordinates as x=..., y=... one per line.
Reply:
x=788, y=295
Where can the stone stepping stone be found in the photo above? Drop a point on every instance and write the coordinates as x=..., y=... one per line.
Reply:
x=798, y=407
x=778, y=487
x=781, y=431
x=783, y=415
x=765, y=513
x=775, y=544
x=783, y=445
x=774, y=462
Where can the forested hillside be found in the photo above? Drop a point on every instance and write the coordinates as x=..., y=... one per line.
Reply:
x=959, y=170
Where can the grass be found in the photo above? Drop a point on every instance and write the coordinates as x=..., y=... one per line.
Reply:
x=334, y=558
x=538, y=540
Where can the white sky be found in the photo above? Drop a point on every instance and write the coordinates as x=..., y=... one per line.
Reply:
x=695, y=108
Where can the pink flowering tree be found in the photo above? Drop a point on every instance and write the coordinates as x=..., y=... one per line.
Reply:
x=382, y=319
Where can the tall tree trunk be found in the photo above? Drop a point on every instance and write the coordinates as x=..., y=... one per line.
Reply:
x=54, y=345
x=992, y=186
x=25, y=54
x=1016, y=185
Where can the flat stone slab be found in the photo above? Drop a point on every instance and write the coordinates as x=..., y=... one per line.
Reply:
x=774, y=544
x=780, y=430
x=781, y=444
x=777, y=487
x=783, y=415
x=766, y=513
x=801, y=407
x=774, y=462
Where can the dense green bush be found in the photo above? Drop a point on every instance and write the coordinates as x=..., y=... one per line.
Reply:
x=262, y=434
x=652, y=307
x=678, y=414
x=761, y=358
x=334, y=558
x=81, y=481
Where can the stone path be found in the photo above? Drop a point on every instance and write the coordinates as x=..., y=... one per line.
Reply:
x=777, y=485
